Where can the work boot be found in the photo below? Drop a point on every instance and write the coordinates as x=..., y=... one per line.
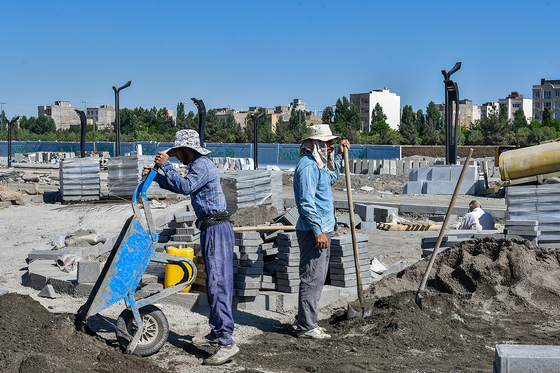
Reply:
x=223, y=355
x=207, y=340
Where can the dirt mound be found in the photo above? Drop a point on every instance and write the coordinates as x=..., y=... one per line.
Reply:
x=32, y=339
x=480, y=293
x=490, y=274
x=253, y=215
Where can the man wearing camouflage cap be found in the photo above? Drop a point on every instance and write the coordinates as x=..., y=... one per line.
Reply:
x=217, y=239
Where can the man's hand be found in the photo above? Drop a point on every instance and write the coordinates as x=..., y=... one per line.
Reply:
x=343, y=144
x=146, y=170
x=321, y=241
x=160, y=158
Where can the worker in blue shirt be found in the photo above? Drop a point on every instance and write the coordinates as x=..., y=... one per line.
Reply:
x=316, y=171
x=217, y=239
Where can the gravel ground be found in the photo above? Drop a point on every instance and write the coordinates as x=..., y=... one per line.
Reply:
x=26, y=227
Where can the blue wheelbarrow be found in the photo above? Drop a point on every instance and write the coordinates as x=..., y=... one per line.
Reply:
x=141, y=328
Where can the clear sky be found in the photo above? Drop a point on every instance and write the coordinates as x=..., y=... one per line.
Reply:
x=267, y=53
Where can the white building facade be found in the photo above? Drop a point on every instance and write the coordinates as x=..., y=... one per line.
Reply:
x=515, y=101
x=366, y=102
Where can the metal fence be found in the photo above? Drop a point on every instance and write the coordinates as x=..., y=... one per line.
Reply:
x=281, y=155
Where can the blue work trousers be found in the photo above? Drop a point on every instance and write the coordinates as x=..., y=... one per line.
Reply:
x=217, y=244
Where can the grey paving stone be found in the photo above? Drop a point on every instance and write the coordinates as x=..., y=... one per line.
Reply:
x=288, y=256
x=250, y=249
x=46, y=254
x=288, y=263
x=287, y=282
x=365, y=211
x=88, y=271
x=287, y=289
x=152, y=287
x=248, y=277
x=3, y=292
x=48, y=292
x=287, y=275
x=246, y=285
x=247, y=292
x=367, y=225
x=251, y=270
x=526, y=358
x=248, y=235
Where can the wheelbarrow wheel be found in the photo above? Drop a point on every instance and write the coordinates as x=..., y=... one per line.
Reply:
x=154, y=335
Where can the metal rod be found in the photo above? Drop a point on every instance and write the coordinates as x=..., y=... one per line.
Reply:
x=118, y=118
x=256, y=138
x=10, y=122
x=201, y=118
x=83, y=121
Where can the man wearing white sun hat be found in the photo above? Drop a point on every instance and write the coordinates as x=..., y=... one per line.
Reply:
x=316, y=171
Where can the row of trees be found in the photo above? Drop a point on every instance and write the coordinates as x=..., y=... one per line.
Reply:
x=416, y=128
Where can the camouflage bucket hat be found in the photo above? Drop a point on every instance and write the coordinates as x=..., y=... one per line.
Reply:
x=187, y=139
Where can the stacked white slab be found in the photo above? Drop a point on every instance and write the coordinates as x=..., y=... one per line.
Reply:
x=252, y=188
x=342, y=266
x=126, y=172
x=540, y=203
x=442, y=179
x=79, y=179
x=526, y=229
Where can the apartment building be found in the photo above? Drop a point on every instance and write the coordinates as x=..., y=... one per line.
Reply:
x=515, y=101
x=546, y=95
x=102, y=116
x=64, y=115
x=366, y=102
x=468, y=112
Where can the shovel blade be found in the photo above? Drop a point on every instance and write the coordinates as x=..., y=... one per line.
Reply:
x=357, y=309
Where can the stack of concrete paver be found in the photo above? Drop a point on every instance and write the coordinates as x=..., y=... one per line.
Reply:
x=370, y=215
x=252, y=188
x=124, y=174
x=538, y=203
x=442, y=179
x=186, y=232
x=79, y=179
x=249, y=273
x=342, y=266
x=526, y=229
x=455, y=236
x=287, y=265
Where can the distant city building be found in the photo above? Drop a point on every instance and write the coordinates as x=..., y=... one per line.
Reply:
x=468, y=113
x=515, y=101
x=546, y=95
x=62, y=113
x=101, y=117
x=489, y=108
x=389, y=102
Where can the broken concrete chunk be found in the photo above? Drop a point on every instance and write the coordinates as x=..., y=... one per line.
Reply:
x=48, y=292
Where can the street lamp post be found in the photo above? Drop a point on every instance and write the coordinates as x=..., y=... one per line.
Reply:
x=256, y=119
x=118, y=118
x=15, y=119
x=1, y=111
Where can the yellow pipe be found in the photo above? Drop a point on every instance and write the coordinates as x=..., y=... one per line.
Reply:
x=530, y=161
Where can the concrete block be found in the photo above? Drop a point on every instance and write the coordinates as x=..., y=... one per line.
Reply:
x=287, y=282
x=365, y=211
x=413, y=175
x=248, y=242
x=526, y=358
x=344, y=219
x=251, y=270
x=287, y=275
x=251, y=235
x=286, y=269
x=288, y=289
x=187, y=216
x=287, y=263
x=288, y=249
x=46, y=254
x=268, y=286
x=249, y=249
x=152, y=287
x=88, y=271
x=48, y=292
x=3, y=292
x=289, y=243
x=248, y=277
x=369, y=225
x=423, y=174
x=247, y=292
x=288, y=256
x=471, y=175
x=246, y=285
x=347, y=238
x=413, y=187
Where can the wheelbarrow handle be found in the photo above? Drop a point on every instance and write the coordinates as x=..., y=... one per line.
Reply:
x=155, y=168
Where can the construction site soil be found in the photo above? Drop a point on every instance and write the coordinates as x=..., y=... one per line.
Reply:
x=480, y=293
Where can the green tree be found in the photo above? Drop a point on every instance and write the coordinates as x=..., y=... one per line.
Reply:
x=328, y=115
x=522, y=136
x=181, y=118
x=433, y=113
x=540, y=134
x=431, y=133
x=495, y=127
x=420, y=122
x=283, y=134
x=212, y=126
x=377, y=114
x=191, y=122
x=546, y=115
x=519, y=120
x=298, y=126
x=3, y=121
x=407, y=128
x=44, y=125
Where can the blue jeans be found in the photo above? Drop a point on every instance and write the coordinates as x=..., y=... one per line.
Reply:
x=217, y=244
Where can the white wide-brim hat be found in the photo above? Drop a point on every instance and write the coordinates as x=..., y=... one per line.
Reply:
x=187, y=139
x=321, y=132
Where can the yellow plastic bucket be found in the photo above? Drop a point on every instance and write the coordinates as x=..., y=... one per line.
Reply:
x=173, y=272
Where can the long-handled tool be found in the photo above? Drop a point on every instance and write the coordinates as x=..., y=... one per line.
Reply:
x=362, y=307
x=442, y=231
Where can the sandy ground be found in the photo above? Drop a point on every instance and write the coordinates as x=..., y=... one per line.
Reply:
x=29, y=226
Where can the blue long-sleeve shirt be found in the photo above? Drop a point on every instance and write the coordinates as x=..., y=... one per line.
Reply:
x=202, y=182
x=313, y=195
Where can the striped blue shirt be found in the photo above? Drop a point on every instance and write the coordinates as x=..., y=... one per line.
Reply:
x=202, y=182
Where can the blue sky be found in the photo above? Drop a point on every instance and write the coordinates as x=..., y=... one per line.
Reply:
x=266, y=53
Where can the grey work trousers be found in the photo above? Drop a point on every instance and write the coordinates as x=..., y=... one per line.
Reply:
x=313, y=267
